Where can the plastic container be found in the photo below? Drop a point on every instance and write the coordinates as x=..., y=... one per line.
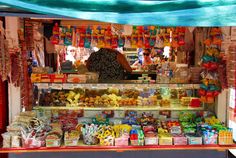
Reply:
x=33, y=143
x=195, y=74
x=6, y=140
x=181, y=73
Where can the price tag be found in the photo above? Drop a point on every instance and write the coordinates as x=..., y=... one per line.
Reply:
x=196, y=86
x=42, y=85
x=56, y=86
x=187, y=86
x=68, y=86
x=173, y=86
x=164, y=85
x=76, y=85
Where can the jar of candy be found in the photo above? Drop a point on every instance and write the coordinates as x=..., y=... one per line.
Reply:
x=181, y=73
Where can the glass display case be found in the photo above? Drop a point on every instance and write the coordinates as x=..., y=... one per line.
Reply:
x=72, y=116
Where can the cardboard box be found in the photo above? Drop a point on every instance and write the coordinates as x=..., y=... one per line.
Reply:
x=53, y=142
x=151, y=140
x=122, y=141
x=139, y=142
x=194, y=140
x=71, y=142
x=165, y=141
x=180, y=140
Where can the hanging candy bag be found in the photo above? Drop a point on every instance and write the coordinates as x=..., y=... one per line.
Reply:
x=68, y=37
x=55, y=34
x=114, y=41
x=121, y=41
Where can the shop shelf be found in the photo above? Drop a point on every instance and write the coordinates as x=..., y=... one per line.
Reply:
x=118, y=85
x=174, y=108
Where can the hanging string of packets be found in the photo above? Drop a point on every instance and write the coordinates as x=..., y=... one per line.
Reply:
x=141, y=37
x=211, y=85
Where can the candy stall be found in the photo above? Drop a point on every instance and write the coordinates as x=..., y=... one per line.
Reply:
x=173, y=92
x=68, y=108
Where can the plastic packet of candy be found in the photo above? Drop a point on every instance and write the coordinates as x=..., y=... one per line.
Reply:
x=6, y=140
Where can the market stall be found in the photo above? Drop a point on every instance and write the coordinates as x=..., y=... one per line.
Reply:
x=175, y=97
x=72, y=108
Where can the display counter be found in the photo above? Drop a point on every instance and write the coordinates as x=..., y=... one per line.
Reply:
x=121, y=116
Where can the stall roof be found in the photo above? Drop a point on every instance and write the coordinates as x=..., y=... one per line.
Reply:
x=6, y=10
x=135, y=12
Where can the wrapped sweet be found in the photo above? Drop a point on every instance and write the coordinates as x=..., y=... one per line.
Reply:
x=147, y=119
x=100, y=120
x=173, y=93
x=131, y=93
x=106, y=135
x=90, y=134
x=185, y=101
x=158, y=94
x=6, y=140
x=130, y=118
x=71, y=138
x=165, y=103
x=136, y=137
x=122, y=134
x=150, y=135
x=53, y=139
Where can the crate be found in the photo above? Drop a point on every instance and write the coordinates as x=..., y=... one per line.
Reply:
x=225, y=138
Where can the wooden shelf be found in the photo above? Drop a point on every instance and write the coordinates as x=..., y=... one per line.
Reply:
x=116, y=148
x=127, y=84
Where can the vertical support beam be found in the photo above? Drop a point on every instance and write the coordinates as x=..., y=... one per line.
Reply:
x=14, y=99
x=221, y=106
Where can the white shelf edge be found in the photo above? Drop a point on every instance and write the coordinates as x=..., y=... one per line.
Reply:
x=120, y=108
